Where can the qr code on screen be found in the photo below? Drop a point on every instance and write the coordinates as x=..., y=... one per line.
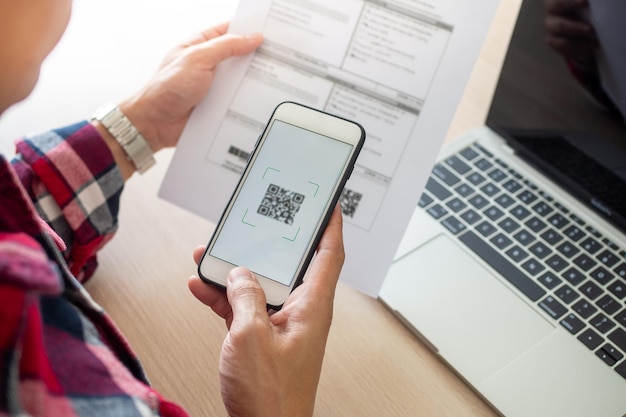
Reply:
x=280, y=204
x=349, y=202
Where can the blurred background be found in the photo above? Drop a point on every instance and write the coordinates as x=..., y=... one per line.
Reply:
x=109, y=50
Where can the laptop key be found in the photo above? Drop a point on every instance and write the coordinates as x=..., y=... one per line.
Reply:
x=573, y=276
x=526, y=197
x=501, y=241
x=590, y=290
x=574, y=233
x=577, y=219
x=561, y=207
x=584, y=309
x=545, y=195
x=475, y=178
x=621, y=270
x=530, y=184
x=504, y=200
x=540, y=250
x=536, y=225
x=524, y=237
x=542, y=209
x=593, y=232
x=437, y=189
x=509, y=225
x=456, y=205
x=520, y=212
x=515, y=174
x=533, y=267
x=551, y=236
x=601, y=323
x=471, y=217
x=453, y=225
x=486, y=229
x=551, y=306
x=590, y=339
x=557, y=263
x=437, y=211
x=608, y=304
x=494, y=213
x=483, y=150
x=464, y=190
x=612, y=352
x=469, y=153
x=478, y=201
x=558, y=221
x=584, y=262
x=618, y=336
x=483, y=165
x=610, y=244
x=507, y=270
x=517, y=254
x=572, y=323
x=567, y=294
x=608, y=258
x=621, y=318
x=445, y=175
x=549, y=280
x=512, y=186
x=458, y=165
x=591, y=245
x=618, y=289
x=425, y=200
x=568, y=249
x=602, y=275
x=497, y=175
x=606, y=358
x=490, y=189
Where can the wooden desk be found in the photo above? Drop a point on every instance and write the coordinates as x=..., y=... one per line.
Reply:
x=373, y=365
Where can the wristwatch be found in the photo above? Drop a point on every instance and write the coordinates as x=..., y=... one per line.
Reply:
x=126, y=134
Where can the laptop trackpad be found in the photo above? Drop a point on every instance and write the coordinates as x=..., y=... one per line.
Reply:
x=476, y=322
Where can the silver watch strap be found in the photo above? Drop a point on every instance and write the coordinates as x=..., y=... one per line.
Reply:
x=126, y=134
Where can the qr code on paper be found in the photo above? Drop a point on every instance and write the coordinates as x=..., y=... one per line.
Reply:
x=349, y=202
x=280, y=204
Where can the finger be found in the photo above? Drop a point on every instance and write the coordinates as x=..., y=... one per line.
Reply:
x=246, y=298
x=323, y=274
x=197, y=253
x=211, y=296
x=218, y=49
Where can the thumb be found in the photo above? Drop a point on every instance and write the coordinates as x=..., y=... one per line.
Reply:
x=246, y=297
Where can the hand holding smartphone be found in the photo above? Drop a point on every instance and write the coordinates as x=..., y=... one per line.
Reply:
x=281, y=205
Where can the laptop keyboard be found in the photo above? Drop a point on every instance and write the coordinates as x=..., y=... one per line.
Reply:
x=565, y=266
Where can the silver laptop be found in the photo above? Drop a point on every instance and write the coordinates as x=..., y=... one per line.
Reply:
x=513, y=268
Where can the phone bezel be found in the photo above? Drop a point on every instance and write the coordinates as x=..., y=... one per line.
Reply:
x=215, y=270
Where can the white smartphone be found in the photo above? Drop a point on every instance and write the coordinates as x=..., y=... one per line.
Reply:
x=284, y=199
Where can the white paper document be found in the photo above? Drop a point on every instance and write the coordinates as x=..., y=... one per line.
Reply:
x=397, y=67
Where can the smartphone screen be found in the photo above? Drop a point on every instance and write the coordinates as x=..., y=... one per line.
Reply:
x=281, y=202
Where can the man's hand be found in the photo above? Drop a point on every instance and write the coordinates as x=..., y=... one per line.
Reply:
x=271, y=363
x=161, y=109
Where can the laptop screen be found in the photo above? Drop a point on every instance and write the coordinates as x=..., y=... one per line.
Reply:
x=560, y=101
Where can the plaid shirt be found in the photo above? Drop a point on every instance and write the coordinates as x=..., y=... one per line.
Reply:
x=61, y=355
